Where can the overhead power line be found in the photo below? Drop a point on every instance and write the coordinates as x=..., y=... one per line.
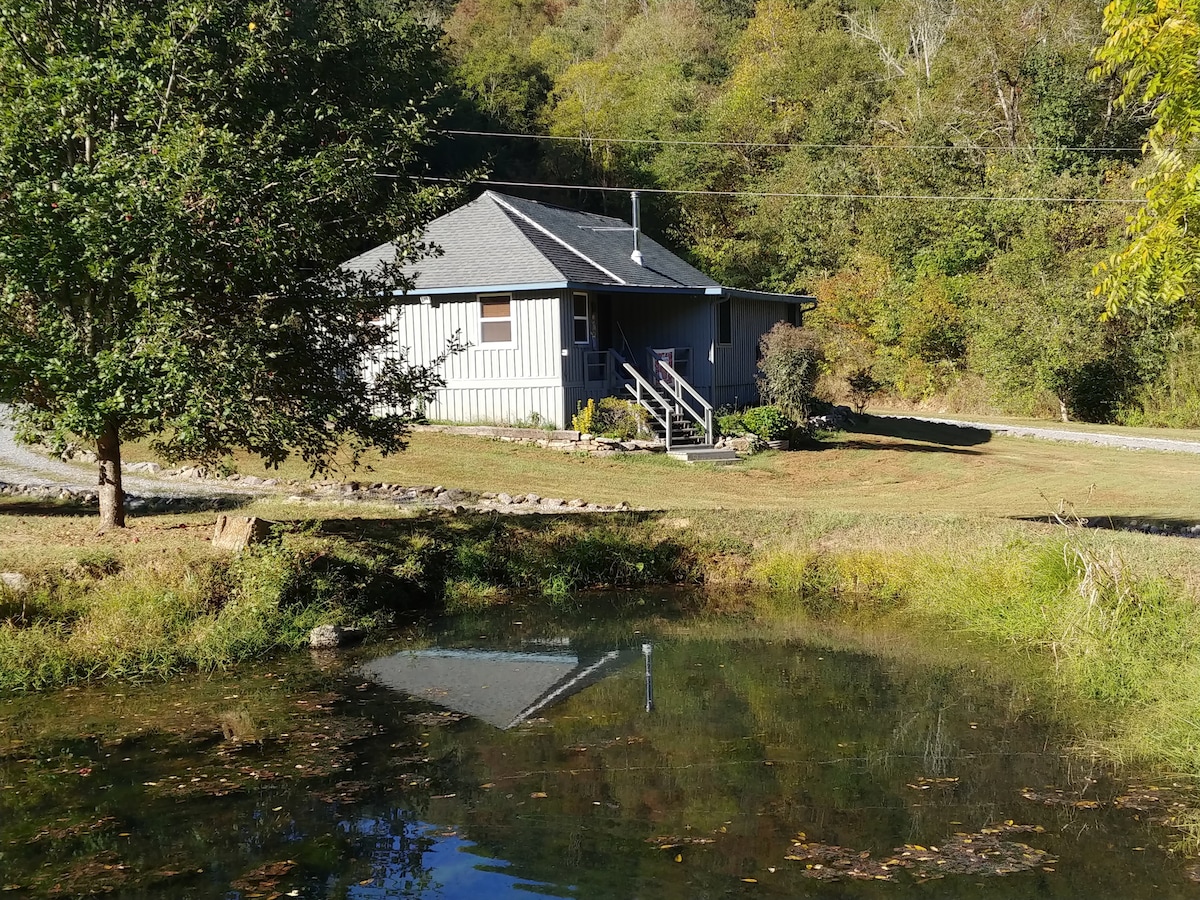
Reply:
x=787, y=195
x=768, y=145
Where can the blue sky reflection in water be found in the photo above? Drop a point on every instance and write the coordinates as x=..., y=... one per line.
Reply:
x=527, y=763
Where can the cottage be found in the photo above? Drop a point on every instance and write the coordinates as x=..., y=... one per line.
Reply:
x=559, y=306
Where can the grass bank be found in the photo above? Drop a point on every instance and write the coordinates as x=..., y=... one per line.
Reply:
x=159, y=600
x=872, y=528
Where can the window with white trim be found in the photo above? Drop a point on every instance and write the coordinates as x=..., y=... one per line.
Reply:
x=581, y=319
x=495, y=319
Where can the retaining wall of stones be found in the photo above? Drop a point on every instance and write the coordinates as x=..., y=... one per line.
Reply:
x=567, y=441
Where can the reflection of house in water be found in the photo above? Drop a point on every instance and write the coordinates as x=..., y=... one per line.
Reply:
x=503, y=688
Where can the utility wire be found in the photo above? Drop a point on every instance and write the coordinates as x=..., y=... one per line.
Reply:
x=769, y=194
x=682, y=142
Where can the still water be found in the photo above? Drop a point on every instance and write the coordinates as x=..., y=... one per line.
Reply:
x=617, y=759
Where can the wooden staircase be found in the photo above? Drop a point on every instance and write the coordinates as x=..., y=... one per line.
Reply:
x=678, y=414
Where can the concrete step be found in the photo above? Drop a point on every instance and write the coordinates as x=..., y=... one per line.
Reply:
x=703, y=453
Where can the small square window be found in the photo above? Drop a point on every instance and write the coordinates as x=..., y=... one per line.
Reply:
x=495, y=325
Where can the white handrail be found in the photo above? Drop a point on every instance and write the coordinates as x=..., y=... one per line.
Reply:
x=666, y=419
x=669, y=369
x=643, y=383
x=705, y=420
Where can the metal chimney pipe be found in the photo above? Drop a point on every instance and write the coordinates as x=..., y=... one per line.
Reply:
x=636, y=255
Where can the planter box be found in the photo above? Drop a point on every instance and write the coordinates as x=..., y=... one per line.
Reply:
x=779, y=445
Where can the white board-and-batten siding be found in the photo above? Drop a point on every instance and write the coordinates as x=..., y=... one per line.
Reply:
x=486, y=383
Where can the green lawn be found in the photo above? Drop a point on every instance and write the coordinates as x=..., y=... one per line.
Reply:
x=908, y=472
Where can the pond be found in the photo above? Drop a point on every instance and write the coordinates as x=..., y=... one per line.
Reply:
x=617, y=758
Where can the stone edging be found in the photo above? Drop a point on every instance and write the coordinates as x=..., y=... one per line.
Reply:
x=567, y=441
x=323, y=492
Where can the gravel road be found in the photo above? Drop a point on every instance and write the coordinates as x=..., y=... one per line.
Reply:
x=1121, y=441
x=20, y=464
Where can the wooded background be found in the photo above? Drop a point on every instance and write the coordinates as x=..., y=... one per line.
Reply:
x=981, y=305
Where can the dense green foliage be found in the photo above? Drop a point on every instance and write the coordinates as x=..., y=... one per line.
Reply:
x=1153, y=47
x=853, y=120
x=789, y=364
x=767, y=422
x=180, y=182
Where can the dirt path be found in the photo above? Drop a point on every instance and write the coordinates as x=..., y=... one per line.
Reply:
x=1058, y=434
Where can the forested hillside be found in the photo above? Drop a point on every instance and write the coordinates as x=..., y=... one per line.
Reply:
x=844, y=136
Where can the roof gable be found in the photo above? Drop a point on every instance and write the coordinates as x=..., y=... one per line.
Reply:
x=594, y=236
x=500, y=240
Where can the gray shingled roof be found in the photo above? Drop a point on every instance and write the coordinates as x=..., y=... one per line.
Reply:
x=499, y=240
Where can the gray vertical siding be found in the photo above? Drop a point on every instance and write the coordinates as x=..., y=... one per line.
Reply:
x=510, y=383
x=642, y=322
x=488, y=384
x=735, y=366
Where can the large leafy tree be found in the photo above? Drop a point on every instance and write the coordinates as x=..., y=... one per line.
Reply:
x=1153, y=46
x=179, y=180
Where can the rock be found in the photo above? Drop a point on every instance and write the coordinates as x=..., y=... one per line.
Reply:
x=555, y=502
x=14, y=581
x=609, y=441
x=532, y=498
x=576, y=503
x=837, y=419
x=239, y=532
x=78, y=454
x=504, y=499
x=330, y=637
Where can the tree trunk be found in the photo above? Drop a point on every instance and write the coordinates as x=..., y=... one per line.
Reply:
x=112, y=496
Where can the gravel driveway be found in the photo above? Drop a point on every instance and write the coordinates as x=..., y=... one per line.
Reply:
x=20, y=464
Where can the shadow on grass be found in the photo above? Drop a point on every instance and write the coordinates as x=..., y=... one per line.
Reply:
x=1170, y=527
x=479, y=524
x=154, y=506
x=29, y=507
x=879, y=446
x=918, y=430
